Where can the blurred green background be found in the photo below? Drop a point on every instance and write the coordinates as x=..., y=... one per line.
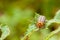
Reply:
x=18, y=14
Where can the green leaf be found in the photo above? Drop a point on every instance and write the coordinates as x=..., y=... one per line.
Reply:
x=53, y=33
x=49, y=22
x=56, y=19
x=57, y=16
x=31, y=28
x=5, y=31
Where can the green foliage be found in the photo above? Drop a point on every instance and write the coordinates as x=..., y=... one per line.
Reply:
x=21, y=16
x=32, y=27
x=48, y=34
x=56, y=19
x=5, y=31
x=53, y=33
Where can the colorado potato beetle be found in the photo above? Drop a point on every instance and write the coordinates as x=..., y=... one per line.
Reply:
x=40, y=21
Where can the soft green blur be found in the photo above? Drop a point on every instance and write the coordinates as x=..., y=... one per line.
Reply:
x=18, y=14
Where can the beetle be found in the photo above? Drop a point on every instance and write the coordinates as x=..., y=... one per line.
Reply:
x=40, y=21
